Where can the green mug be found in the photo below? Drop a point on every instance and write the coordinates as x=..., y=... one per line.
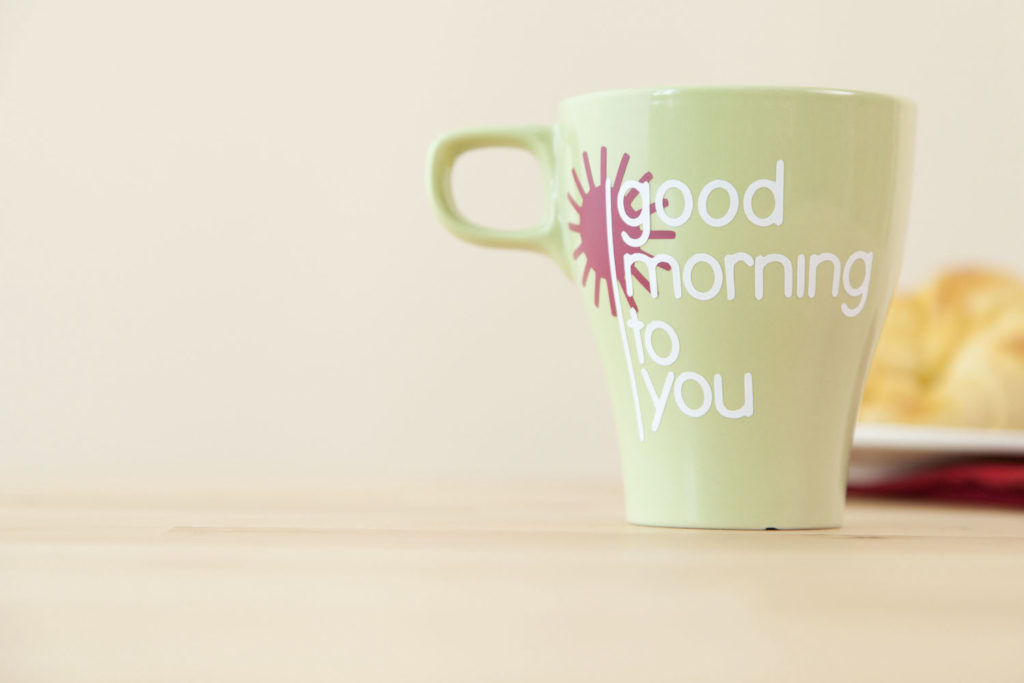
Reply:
x=737, y=249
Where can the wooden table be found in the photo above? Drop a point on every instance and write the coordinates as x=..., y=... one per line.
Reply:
x=498, y=583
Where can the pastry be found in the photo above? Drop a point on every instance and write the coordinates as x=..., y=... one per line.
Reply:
x=952, y=354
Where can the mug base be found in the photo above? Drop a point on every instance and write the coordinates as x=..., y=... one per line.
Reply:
x=719, y=526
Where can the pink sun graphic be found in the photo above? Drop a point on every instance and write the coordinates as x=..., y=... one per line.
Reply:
x=590, y=209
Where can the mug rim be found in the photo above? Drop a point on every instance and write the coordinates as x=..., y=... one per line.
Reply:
x=810, y=91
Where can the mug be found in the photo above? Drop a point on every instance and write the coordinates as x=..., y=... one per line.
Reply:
x=737, y=249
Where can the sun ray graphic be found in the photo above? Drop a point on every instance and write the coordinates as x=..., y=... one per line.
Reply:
x=590, y=225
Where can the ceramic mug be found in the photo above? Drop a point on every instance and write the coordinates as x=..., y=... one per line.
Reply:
x=737, y=249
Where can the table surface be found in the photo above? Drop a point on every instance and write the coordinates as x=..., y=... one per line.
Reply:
x=498, y=583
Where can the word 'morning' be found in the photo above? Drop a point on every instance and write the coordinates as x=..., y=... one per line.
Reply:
x=643, y=219
x=800, y=278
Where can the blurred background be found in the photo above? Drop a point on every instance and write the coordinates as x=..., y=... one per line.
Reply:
x=219, y=271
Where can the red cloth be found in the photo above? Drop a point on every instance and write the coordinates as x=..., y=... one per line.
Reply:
x=983, y=482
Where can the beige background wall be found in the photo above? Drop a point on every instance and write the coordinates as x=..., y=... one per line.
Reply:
x=217, y=264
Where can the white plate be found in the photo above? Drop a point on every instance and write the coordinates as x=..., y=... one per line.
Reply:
x=883, y=451
x=926, y=440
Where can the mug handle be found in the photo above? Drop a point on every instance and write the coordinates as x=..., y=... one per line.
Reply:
x=539, y=141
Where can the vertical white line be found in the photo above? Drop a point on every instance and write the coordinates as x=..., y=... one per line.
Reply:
x=620, y=314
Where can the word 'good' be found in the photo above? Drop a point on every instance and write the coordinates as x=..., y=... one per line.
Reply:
x=678, y=187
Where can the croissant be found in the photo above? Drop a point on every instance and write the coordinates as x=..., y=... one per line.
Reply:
x=952, y=354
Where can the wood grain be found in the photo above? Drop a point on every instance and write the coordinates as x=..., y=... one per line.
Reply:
x=498, y=583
